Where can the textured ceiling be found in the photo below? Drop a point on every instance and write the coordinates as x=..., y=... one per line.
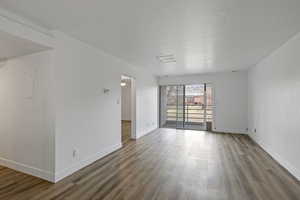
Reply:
x=201, y=35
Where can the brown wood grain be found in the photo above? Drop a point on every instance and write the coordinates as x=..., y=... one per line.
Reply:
x=168, y=164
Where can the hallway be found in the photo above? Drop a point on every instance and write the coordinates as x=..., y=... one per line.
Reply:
x=168, y=164
x=126, y=131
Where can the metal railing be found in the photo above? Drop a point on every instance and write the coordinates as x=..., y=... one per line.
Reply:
x=190, y=114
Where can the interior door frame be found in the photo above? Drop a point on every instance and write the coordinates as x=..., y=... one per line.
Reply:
x=133, y=98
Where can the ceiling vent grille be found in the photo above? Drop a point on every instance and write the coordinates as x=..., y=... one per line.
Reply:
x=170, y=58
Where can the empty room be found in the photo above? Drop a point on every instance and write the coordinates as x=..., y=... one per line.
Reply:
x=157, y=99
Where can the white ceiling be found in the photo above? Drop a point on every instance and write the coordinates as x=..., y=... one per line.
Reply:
x=11, y=46
x=202, y=35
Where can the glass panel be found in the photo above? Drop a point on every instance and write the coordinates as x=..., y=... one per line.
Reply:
x=195, y=106
x=180, y=107
x=171, y=106
x=209, y=103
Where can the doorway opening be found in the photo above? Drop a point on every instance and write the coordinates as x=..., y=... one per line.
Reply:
x=187, y=106
x=128, y=107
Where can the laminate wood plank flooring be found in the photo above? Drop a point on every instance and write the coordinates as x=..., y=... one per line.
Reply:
x=126, y=131
x=168, y=164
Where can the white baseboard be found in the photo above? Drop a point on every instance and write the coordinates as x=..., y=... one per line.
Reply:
x=146, y=133
x=46, y=175
x=230, y=131
x=85, y=162
x=284, y=163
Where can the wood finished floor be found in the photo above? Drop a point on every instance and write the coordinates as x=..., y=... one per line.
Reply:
x=126, y=132
x=168, y=164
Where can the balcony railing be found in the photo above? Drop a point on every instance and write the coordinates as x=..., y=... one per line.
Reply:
x=190, y=114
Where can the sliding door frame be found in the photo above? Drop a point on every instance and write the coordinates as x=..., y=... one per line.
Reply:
x=180, y=124
x=184, y=103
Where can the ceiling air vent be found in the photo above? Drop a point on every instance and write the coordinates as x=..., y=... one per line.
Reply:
x=170, y=58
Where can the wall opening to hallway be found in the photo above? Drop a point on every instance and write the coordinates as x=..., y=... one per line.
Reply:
x=128, y=108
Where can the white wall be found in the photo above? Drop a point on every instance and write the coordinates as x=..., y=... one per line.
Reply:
x=87, y=120
x=26, y=112
x=22, y=28
x=26, y=118
x=231, y=98
x=126, y=100
x=52, y=103
x=274, y=96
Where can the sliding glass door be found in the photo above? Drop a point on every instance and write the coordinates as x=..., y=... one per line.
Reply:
x=172, y=106
x=186, y=106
